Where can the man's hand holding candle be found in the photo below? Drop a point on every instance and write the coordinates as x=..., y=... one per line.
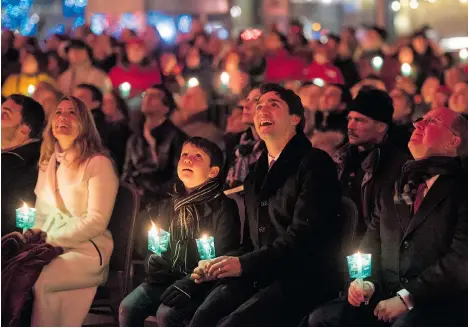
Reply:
x=359, y=293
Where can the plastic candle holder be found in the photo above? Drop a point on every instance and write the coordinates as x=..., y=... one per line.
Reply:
x=359, y=265
x=158, y=240
x=25, y=217
x=125, y=89
x=206, y=248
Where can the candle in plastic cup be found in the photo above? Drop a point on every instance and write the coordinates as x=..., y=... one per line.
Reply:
x=193, y=82
x=225, y=78
x=31, y=89
x=377, y=63
x=206, y=248
x=158, y=240
x=25, y=217
x=360, y=267
x=125, y=89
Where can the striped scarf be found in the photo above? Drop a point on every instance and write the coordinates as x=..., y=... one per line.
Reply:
x=186, y=225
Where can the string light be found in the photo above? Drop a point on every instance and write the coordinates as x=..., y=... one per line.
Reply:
x=236, y=11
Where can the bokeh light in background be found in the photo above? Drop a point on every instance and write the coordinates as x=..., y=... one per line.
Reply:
x=79, y=21
x=217, y=28
x=57, y=29
x=184, y=23
x=28, y=26
x=99, y=23
x=15, y=13
x=164, y=24
x=73, y=8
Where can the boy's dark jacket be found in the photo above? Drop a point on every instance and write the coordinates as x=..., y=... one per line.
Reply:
x=219, y=218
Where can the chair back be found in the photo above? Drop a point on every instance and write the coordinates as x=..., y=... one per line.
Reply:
x=122, y=227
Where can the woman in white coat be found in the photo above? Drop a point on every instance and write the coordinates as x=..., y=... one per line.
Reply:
x=76, y=190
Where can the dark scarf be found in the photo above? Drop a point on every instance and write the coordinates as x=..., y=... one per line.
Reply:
x=247, y=153
x=186, y=223
x=414, y=173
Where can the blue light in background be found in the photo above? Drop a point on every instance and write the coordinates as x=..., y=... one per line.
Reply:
x=98, y=23
x=79, y=21
x=184, y=23
x=28, y=26
x=57, y=29
x=223, y=34
x=73, y=8
x=164, y=24
x=14, y=13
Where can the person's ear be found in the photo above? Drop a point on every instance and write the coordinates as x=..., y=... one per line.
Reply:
x=96, y=104
x=24, y=129
x=381, y=127
x=214, y=171
x=455, y=142
x=295, y=120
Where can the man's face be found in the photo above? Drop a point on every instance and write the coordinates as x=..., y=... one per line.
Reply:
x=310, y=96
x=363, y=130
x=429, y=88
x=194, y=168
x=331, y=98
x=153, y=103
x=11, y=120
x=47, y=99
x=86, y=96
x=452, y=77
x=459, y=99
x=400, y=104
x=77, y=56
x=248, y=113
x=272, y=119
x=433, y=135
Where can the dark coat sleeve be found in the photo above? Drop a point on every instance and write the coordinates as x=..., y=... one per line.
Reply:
x=312, y=225
x=371, y=244
x=450, y=273
x=227, y=230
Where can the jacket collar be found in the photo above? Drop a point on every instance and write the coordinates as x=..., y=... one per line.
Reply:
x=27, y=152
x=267, y=182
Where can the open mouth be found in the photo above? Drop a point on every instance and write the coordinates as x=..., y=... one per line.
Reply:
x=265, y=122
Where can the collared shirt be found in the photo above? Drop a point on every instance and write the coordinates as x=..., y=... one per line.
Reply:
x=271, y=159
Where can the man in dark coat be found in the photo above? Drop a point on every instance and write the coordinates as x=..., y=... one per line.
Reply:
x=22, y=123
x=291, y=231
x=369, y=159
x=418, y=238
x=154, y=151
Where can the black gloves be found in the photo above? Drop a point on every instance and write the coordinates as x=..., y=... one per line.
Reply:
x=179, y=293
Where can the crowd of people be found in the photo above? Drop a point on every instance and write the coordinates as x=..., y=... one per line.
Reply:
x=257, y=142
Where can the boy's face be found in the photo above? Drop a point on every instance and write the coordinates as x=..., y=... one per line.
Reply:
x=194, y=167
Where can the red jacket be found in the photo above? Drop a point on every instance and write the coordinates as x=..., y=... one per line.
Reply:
x=23, y=258
x=283, y=67
x=328, y=72
x=139, y=78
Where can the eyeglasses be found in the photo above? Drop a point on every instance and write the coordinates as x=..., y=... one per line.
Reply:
x=433, y=121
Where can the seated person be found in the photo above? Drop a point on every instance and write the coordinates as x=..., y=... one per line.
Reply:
x=76, y=190
x=418, y=238
x=198, y=207
x=22, y=124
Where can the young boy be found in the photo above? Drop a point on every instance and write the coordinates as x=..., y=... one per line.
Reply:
x=198, y=207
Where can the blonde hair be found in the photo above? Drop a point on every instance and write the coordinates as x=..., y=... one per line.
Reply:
x=88, y=142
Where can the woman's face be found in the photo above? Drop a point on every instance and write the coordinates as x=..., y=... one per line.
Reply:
x=52, y=64
x=65, y=122
x=135, y=53
x=29, y=64
x=168, y=62
x=406, y=55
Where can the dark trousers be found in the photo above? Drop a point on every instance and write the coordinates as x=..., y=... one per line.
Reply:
x=239, y=303
x=141, y=303
x=339, y=312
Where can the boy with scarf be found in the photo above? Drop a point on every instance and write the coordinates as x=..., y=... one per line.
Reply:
x=198, y=207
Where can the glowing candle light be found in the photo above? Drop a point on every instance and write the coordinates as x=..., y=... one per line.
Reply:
x=158, y=240
x=406, y=69
x=377, y=63
x=193, y=82
x=25, y=217
x=125, y=89
x=360, y=267
x=206, y=247
x=31, y=89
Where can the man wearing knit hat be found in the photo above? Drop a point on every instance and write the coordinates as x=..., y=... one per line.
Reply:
x=369, y=159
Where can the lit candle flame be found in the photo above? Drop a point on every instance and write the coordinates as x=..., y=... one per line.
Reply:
x=154, y=230
x=25, y=207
